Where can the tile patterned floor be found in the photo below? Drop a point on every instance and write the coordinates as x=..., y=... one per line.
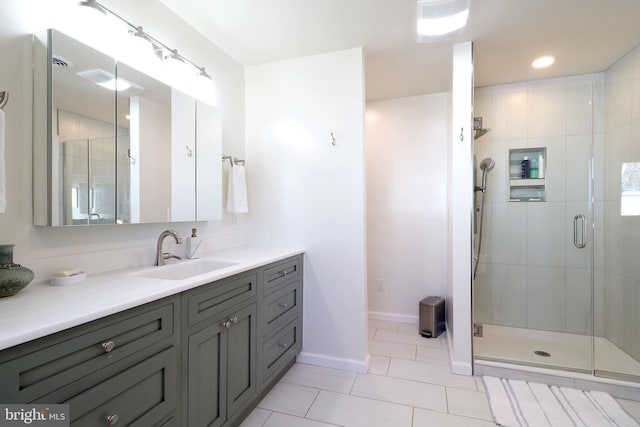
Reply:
x=409, y=384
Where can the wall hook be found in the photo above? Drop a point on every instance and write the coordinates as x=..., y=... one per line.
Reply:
x=333, y=140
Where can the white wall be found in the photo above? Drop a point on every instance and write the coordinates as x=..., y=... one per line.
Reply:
x=406, y=152
x=105, y=247
x=305, y=191
x=460, y=211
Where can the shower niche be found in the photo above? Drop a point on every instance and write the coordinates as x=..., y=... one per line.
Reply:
x=527, y=174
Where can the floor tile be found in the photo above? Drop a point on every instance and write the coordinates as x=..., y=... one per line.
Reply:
x=383, y=324
x=425, y=418
x=467, y=403
x=389, y=349
x=283, y=420
x=289, y=398
x=320, y=377
x=404, y=392
x=354, y=411
x=256, y=418
x=439, y=356
x=407, y=327
x=378, y=365
x=406, y=338
x=429, y=373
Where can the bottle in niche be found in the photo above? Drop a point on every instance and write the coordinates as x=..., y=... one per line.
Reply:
x=524, y=168
x=194, y=245
x=540, y=166
x=533, y=168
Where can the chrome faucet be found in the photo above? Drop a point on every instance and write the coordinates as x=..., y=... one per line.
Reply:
x=161, y=256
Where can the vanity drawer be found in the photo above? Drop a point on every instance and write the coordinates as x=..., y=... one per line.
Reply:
x=281, y=273
x=281, y=349
x=143, y=395
x=34, y=369
x=209, y=300
x=281, y=307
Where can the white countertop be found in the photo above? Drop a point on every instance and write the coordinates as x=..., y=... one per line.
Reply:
x=41, y=309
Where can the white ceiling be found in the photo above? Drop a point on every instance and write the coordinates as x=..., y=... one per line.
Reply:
x=585, y=35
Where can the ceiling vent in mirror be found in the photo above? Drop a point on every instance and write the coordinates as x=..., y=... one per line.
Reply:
x=108, y=80
x=60, y=62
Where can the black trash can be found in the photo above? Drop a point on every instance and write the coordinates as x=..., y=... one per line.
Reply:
x=431, y=322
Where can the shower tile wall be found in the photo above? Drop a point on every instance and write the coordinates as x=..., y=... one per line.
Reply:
x=530, y=274
x=619, y=266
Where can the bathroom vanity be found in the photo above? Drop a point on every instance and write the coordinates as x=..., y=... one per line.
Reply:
x=196, y=351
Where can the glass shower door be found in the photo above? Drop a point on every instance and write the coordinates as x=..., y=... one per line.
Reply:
x=533, y=293
x=617, y=223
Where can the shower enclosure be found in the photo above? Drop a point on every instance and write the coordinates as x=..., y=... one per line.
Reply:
x=558, y=279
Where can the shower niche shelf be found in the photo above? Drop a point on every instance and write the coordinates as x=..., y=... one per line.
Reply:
x=533, y=186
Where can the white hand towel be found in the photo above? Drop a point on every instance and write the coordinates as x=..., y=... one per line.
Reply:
x=237, y=191
x=3, y=173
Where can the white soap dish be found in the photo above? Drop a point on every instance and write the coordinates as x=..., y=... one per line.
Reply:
x=67, y=277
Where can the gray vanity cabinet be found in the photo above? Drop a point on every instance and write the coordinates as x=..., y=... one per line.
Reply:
x=219, y=349
x=281, y=317
x=123, y=367
x=205, y=357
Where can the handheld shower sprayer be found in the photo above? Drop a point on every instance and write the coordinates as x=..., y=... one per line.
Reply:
x=485, y=166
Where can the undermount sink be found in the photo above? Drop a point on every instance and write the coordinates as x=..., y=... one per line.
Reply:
x=185, y=269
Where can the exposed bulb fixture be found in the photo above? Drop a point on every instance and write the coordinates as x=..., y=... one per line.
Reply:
x=93, y=5
x=439, y=19
x=202, y=73
x=543, y=61
x=146, y=51
x=174, y=64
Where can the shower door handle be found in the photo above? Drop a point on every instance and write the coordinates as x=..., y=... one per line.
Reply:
x=582, y=243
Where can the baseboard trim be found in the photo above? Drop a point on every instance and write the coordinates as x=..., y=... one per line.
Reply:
x=361, y=366
x=393, y=317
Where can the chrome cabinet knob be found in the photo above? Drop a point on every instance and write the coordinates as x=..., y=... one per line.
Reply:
x=282, y=345
x=108, y=346
x=234, y=319
x=112, y=420
x=283, y=305
x=226, y=324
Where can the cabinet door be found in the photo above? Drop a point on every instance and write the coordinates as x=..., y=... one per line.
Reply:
x=241, y=367
x=207, y=373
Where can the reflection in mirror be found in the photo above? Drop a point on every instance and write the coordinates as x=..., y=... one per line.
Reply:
x=115, y=146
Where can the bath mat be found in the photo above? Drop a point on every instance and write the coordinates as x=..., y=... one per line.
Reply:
x=516, y=403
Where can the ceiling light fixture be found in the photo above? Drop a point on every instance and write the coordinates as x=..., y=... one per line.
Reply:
x=543, y=61
x=439, y=19
x=93, y=5
x=148, y=46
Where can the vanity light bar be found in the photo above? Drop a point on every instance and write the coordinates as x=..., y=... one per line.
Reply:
x=137, y=31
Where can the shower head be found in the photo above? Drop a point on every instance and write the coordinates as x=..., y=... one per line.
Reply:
x=479, y=132
x=477, y=127
x=487, y=164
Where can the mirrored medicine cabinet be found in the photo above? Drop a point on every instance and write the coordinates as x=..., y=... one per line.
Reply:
x=112, y=145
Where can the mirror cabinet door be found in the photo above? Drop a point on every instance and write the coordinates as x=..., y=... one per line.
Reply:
x=113, y=145
x=209, y=150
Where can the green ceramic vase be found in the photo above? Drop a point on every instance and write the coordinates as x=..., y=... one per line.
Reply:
x=13, y=277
